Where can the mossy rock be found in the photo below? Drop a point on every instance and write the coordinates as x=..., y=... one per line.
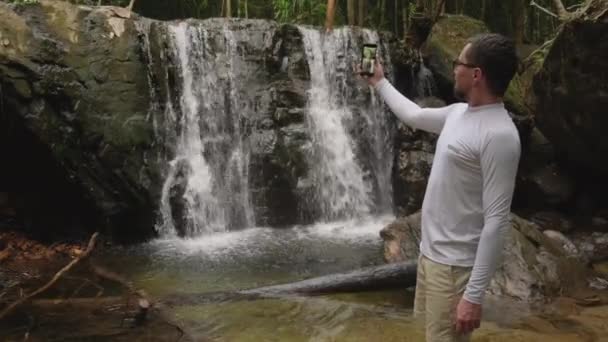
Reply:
x=519, y=97
x=448, y=37
x=73, y=77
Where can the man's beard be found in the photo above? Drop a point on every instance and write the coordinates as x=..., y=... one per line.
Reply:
x=459, y=95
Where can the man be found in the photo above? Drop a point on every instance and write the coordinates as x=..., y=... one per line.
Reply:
x=466, y=207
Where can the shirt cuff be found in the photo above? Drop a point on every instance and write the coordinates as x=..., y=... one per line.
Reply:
x=472, y=300
x=380, y=84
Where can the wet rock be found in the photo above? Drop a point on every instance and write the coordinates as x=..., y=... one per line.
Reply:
x=593, y=246
x=533, y=266
x=402, y=239
x=551, y=220
x=414, y=156
x=280, y=140
x=564, y=243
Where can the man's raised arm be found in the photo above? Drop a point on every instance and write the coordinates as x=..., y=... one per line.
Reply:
x=426, y=119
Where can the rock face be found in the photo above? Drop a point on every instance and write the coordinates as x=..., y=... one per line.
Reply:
x=572, y=92
x=533, y=266
x=414, y=150
x=95, y=97
x=75, y=91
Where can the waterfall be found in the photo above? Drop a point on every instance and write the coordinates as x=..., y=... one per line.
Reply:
x=424, y=81
x=344, y=188
x=380, y=134
x=212, y=100
x=206, y=188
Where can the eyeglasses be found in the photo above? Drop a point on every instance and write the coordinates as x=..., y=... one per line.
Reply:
x=456, y=63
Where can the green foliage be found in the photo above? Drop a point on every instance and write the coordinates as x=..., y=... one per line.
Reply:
x=390, y=15
x=23, y=2
x=300, y=11
x=102, y=2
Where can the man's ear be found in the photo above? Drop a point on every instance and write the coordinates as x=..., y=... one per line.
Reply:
x=477, y=73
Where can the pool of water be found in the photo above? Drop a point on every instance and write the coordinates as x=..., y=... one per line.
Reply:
x=255, y=257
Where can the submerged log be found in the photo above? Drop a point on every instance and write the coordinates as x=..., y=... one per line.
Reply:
x=395, y=275
x=371, y=278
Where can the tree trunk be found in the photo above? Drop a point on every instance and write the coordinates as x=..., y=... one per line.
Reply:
x=519, y=13
x=228, y=8
x=246, y=9
x=396, y=275
x=396, y=18
x=404, y=10
x=439, y=10
x=330, y=15
x=561, y=9
x=483, y=10
x=350, y=8
x=130, y=7
x=382, y=8
x=362, y=12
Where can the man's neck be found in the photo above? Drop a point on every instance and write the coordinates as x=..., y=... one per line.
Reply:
x=477, y=99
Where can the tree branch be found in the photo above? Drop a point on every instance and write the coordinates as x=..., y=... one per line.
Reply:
x=534, y=4
x=130, y=7
x=561, y=9
x=57, y=276
x=438, y=11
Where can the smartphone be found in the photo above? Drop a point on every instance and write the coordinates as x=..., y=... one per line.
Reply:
x=368, y=59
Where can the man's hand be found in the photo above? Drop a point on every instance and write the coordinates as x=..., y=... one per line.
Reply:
x=468, y=316
x=378, y=73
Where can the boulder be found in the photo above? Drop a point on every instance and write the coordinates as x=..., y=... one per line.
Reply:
x=533, y=267
x=402, y=239
x=448, y=37
x=572, y=93
x=75, y=94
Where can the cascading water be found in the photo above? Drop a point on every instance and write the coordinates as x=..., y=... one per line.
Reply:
x=424, y=81
x=380, y=134
x=209, y=172
x=206, y=105
x=214, y=108
x=344, y=189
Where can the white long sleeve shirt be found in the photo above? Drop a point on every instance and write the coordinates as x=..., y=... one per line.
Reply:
x=466, y=207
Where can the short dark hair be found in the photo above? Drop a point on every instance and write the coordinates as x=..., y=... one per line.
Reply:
x=496, y=56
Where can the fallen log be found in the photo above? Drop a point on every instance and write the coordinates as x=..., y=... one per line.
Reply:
x=396, y=275
x=390, y=276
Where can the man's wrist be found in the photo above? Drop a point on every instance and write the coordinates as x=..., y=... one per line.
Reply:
x=375, y=83
x=471, y=300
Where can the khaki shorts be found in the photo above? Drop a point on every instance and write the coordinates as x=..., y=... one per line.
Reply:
x=438, y=289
